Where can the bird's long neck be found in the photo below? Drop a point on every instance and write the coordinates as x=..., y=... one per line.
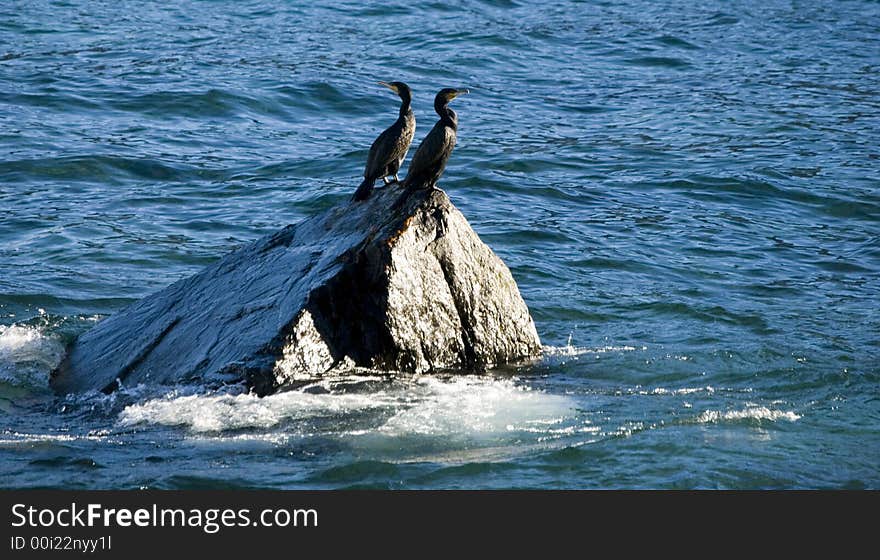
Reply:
x=406, y=105
x=447, y=115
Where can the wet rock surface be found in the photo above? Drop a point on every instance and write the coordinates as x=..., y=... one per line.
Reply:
x=406, y=287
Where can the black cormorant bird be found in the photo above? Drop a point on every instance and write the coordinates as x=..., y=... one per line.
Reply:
x=389, y=149
x=433, y=153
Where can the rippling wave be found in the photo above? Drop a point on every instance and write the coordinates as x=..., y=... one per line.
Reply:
x=687, y=196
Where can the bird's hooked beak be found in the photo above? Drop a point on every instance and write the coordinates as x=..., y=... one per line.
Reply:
x=461, y=91
x=389, y=86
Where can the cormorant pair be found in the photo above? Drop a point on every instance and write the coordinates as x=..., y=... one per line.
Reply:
x=389, y=149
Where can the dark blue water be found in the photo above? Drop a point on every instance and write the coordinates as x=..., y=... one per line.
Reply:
x=688, y=196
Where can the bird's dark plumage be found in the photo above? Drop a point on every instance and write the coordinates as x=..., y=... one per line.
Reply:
x=389, y=149
x=430, y=159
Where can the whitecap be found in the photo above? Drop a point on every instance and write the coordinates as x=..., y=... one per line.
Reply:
x=708, y=389
x=27, y=355
x=13, y=438
x=557, y=353
x=751, y=412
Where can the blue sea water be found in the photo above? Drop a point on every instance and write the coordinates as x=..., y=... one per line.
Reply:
x=688, y=195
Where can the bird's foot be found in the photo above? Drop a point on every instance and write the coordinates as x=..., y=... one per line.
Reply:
x=385, y=180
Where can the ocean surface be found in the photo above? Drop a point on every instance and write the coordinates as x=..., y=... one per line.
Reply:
x=688, y=195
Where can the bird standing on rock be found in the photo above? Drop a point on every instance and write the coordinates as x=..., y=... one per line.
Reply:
x=430, y=160
x=389, y=149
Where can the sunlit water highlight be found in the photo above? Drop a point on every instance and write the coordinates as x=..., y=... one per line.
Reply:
x=687, y=195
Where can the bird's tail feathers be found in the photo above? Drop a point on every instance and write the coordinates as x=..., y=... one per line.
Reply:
x=364, y=190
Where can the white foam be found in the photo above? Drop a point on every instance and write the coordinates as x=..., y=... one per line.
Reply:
x=708, y=389
x=12, y=438
x=751, y=412
x=468, y=406
x=27, y=354
x=217, y=413
x=423, y=406
x=569, y=351
x=19, y=343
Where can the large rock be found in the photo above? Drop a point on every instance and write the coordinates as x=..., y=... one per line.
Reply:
x=406, y=288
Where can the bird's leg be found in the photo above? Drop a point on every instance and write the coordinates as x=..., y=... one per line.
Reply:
x=385, y=180
x=396, y=180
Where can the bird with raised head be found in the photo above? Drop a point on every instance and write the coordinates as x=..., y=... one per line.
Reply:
x=428, y=163
x=390, y=148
